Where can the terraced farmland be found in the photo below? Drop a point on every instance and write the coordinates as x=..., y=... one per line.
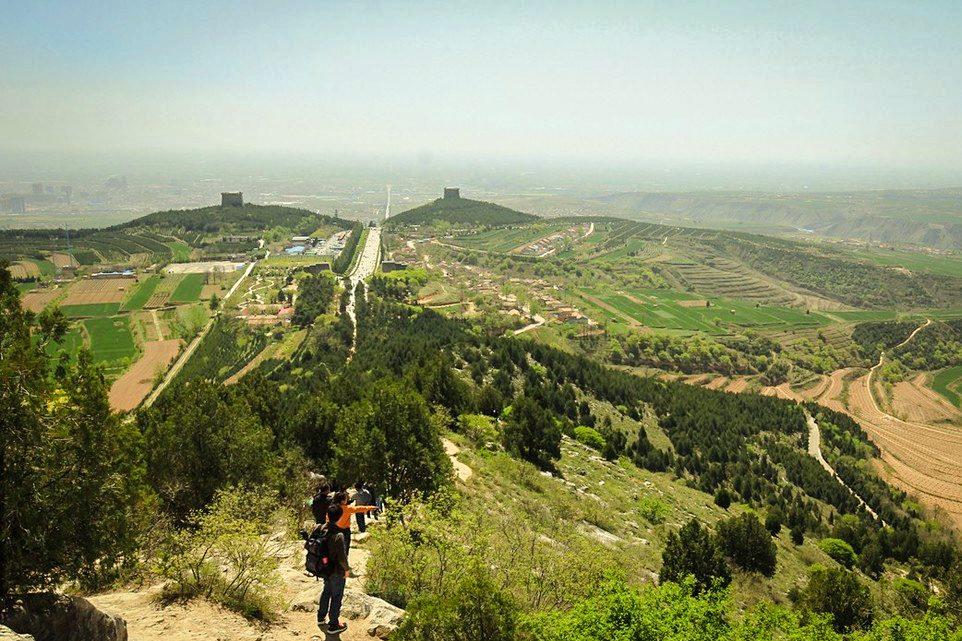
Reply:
x=729, y=279
x=947, y=384
x=676, y=310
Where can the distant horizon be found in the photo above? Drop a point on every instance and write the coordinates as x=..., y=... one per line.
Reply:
x=590, y=175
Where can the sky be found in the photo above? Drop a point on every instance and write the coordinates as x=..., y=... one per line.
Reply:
x=825, y=83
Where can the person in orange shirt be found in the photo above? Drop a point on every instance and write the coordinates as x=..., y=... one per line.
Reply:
x=344, y=523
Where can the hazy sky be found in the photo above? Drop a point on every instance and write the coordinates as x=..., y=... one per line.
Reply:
x=850, y=82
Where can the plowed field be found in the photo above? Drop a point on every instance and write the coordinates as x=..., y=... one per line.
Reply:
x=923, y=459
x=912, y=401
x=36, y=300
x=131, y=388
x=108, y=290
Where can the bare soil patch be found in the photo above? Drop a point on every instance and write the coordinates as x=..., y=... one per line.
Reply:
x=717, y=383
x=35, y=300
x=130, y=389
x=915, y=403
x=815, y=391
x=691, y=303
x=24, y=269
x=63, y=260
x=90, y=291
x=737, y=386
x=923, y=459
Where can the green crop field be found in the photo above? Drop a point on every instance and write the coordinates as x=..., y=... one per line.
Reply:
x=664, y=310
x=180, y=251
x=946, y=383
x=504, y=240
x=25, y=287
x=111, y=340
x=142, y=294
x=72, y=341
x=950, y=265
x=866, y=316
x=92, y=310
x=188, y=290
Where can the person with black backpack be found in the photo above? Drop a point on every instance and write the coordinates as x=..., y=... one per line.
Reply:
x=334, y=571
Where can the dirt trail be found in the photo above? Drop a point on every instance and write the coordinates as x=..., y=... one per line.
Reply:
x=199, y=620
x=462, y=471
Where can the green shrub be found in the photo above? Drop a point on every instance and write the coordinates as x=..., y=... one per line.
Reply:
x=748, y=544
x=839, y=593
x=839, y=551
x=223, y=554
x=439, y=541
x=653, y=509
x=478, y=428
x=590, y=437
x=477, y=611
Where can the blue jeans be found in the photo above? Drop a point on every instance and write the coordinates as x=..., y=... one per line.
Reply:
x=331, y=598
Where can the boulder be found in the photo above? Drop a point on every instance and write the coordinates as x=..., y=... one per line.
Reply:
x=55, y=617
x=382, y=617
x=6, y=634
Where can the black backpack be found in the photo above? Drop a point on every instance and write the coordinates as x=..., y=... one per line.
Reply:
x=319, y=562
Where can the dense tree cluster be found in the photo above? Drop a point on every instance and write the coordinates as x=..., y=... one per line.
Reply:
x=69, y=473
x=314, y=297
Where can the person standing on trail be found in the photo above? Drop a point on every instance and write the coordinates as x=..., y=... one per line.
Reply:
x=344, y=521
x=362, y=498
x=329, y=605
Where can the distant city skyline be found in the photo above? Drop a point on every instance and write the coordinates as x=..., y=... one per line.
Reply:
x=854, y=84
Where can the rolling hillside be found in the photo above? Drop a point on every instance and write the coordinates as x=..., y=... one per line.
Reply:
x=461, y=211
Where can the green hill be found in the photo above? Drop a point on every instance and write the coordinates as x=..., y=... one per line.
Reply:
x=461, y=211
x=235, y=219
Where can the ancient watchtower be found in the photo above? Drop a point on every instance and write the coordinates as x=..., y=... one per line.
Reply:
x=452, y=192
x=231, y=199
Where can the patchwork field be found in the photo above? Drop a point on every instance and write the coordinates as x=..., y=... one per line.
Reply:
x=93, y=291
x=130, y=389
x=913, y=401
x=24, y=269
x=189, y=289
x=111, y=341
x=142, y=294
x=36, y=300
x=923, y=459
x=677, y=310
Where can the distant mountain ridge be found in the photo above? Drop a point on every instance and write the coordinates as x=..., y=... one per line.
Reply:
x=461, y=211
x=929, y=218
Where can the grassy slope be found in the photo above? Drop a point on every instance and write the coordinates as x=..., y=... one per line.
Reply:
x=608, y=500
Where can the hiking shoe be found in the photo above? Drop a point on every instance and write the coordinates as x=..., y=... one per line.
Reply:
x=337, y=629
x=322, y=625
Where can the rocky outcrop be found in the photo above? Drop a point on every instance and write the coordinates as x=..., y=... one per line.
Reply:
x=379, y=617
x=6, y=634
x=54, y=617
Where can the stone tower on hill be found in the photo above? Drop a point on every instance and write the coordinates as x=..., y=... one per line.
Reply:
x=452, y=192
x=231, y=199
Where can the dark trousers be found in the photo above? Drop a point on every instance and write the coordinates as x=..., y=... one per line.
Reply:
x=331, y=598
x=361, y=525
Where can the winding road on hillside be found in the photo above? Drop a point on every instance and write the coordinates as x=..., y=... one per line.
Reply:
x=923, y=459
